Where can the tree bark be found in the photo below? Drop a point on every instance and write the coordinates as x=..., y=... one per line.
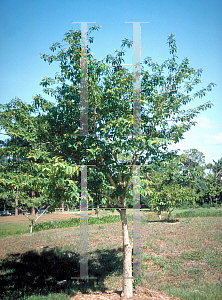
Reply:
x=32, y=210
x=32, y=207
x=168, y=215
x=127, y=291
x=31, y=226
x=16, y=209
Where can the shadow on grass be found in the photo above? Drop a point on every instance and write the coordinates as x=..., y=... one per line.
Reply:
x=163, y=221
x=50, y=271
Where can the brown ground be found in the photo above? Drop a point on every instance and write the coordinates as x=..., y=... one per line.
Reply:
x=160, y=240
x=139, y=293
x=18, y=246
x=46, y=217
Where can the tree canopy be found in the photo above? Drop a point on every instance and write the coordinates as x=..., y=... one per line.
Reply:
x=51, y=130
x=110, y=147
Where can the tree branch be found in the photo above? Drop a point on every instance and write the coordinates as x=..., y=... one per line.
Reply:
x=110, y=178
x=116, y=160
x=114, y=201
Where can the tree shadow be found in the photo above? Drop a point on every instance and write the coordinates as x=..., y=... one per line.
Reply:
x=162, y=221
x=50, y=271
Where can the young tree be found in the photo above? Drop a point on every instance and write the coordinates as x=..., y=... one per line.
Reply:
x=111, y=146
x=169, y=186
x=34, y=178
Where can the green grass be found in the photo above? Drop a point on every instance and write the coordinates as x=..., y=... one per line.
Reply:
x=183, y=259
x=197, y=292
x=177, y=258
x=21, y=228
x=200, y=212
x=74, y=222
x=13, y=228
x=53, y=296
x=179, y=210
x=179, y=213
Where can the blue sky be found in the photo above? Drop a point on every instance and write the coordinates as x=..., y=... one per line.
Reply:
x=28, y=28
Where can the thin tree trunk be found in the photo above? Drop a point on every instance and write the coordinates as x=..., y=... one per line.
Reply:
x=16, y=204
x=127, y=259
x=33, y=208
x=31, y=226
x=168, y=217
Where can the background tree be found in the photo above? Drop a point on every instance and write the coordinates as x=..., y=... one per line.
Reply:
x=33, y=177
x=169, y=185
x=213, y=182
x=217, y=170
x=165, y=90
x=194, y=163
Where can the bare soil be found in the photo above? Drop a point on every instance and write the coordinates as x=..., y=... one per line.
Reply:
x=47, y=217
x=139, y=293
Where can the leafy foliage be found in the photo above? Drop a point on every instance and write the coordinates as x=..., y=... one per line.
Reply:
x=52, y=137
x=169, y=185
x=53, y=130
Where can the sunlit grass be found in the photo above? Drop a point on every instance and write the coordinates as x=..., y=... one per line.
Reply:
x=182, y=259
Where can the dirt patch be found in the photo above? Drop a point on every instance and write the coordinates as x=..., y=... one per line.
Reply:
x=51, y=217
x=139, y=293
x=47, y=217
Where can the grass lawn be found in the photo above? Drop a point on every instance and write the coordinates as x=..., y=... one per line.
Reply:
x=197, y=212
x=20, y=224
x=181, y=259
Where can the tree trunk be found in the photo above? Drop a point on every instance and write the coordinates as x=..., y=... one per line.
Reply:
x=33, y=208
x=160, y=217
x=31, y=226
x=16, y=209
x=127, y=259
x=168, y=215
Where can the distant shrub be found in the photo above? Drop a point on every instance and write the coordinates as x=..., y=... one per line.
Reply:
x=206, y=205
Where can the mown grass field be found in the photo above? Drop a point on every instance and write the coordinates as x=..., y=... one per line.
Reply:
x=181, y=259
x=19, y=225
